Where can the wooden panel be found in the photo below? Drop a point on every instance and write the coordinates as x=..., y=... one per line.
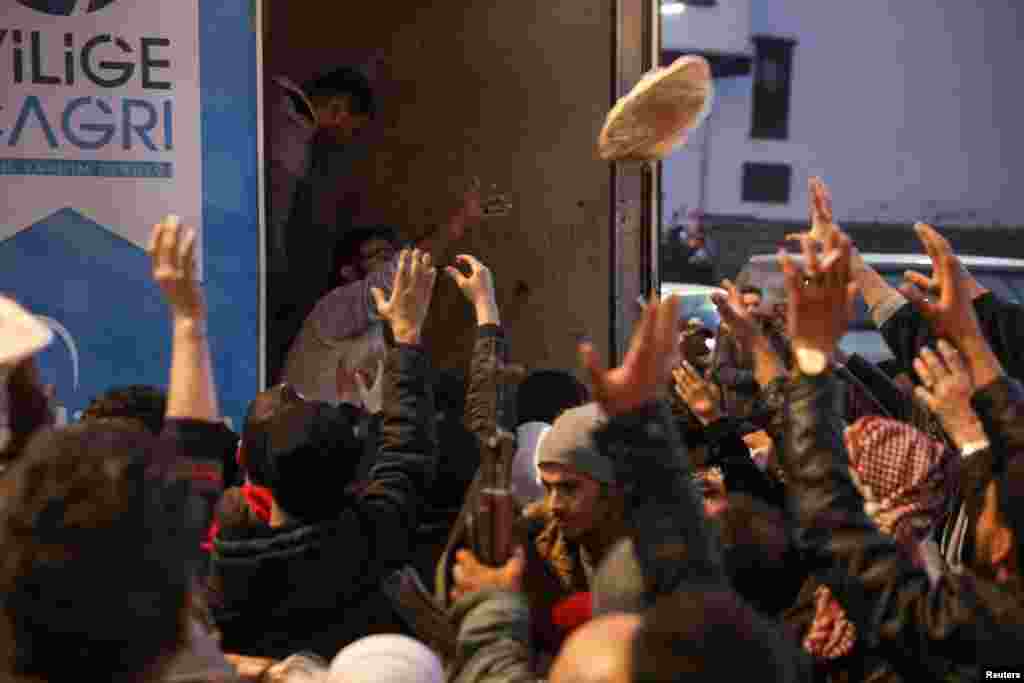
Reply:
x=512, y=92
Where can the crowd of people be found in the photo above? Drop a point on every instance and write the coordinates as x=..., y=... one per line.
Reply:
x=762, y=507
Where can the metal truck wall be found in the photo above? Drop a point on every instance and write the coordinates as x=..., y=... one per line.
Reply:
x=512, y=92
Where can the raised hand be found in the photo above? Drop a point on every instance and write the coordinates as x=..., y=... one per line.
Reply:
x=645, y=369
x=929, y=286
x=822, y=221
x=946, y=388
x=411, y=292
x=472, y=576
x=742, y=323
x=948, y=302
x=697, y=393
x=478, y=287
x=820, y=300
x=172, y=249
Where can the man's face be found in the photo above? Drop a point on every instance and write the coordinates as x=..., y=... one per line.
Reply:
x=574, y=499
x=751, y=301
x=337, y=121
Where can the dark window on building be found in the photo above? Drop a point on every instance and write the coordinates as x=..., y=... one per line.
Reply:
x=767, y=183
x=773, y=71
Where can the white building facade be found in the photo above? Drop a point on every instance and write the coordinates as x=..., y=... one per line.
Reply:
x=910, y=110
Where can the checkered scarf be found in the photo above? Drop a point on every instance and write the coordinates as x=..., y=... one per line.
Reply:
x=905, y=476
x=906, y=479
x=832, y=635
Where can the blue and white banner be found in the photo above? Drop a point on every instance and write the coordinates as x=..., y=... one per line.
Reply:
x=99, y=92
x=114, y=113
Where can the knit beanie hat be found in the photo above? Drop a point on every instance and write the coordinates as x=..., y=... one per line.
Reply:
x=570, y=443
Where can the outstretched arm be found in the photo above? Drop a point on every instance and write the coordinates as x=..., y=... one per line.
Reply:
x=193, y=415
x=191, y=393
x=673, y=542
x=890, y=601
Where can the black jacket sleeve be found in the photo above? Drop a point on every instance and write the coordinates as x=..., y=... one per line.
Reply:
x=742, y=475
x=407, y=455
x=202, y=447
x=1002, y=322
x=673, y=542
x=963, y=620
x=907, y=331
x=1000, y=407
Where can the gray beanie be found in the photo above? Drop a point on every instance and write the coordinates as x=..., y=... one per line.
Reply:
x=570, y=442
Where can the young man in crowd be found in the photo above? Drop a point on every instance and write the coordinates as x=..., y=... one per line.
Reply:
x=732, y=367
x=305, y=126
x=699, y=627
x=310, y=579
x=344, y=321
x=323, y=367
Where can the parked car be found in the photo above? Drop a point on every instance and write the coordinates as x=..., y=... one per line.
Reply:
x=694, y=302
x=1004, y=276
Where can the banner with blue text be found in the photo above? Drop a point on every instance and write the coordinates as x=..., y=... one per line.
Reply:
x=114, y=113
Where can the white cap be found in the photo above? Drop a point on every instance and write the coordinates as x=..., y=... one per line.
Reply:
x=386, y=659
x=526, y=484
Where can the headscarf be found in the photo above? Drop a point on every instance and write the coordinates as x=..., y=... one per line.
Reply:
x=906, y=479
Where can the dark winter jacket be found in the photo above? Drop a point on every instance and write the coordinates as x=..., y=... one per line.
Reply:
x=963, y=623
x=316, y=587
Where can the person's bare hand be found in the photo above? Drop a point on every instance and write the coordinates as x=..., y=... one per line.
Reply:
x=478, y=287
x=697, y=393
x=930, y=286
x=820, y=209
x=949, y=309
x=371, y=395
x=820, y=299
x=472, y=576
x=411, y=292
x=742, y=324
x=645, y=369
x=172, y=249
x=946, y=388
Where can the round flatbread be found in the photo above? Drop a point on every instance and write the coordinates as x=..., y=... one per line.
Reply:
x=659, y=112
x=21, y=333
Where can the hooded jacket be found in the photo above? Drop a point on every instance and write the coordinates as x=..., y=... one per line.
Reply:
x=316, y=586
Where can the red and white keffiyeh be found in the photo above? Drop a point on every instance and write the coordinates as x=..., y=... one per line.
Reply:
x=905, y=476
x=906, y=479
x=832, y=635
